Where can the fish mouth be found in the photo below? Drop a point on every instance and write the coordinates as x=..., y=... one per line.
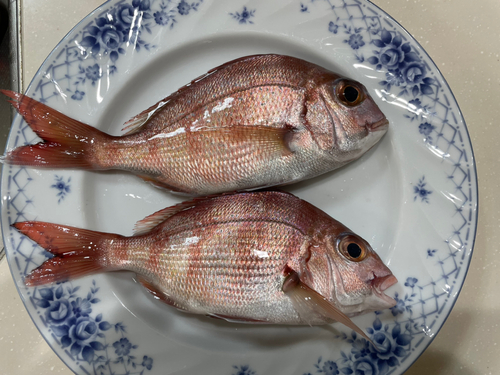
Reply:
x=380, y=284
x=382, y=124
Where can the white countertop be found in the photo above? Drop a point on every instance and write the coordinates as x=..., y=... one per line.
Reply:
x=461, y=36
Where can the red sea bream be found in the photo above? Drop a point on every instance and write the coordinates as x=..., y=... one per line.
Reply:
x=262, y=257
x=254, y=122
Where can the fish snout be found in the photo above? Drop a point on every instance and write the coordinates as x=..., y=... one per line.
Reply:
x=380, y=125
x=383, y=283
x=379, y=285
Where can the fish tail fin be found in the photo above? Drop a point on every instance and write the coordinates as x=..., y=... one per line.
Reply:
x=77, y=252
x=67, y=142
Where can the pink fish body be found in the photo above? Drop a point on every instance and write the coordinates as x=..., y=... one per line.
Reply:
x=254, y=122
x=265, y=257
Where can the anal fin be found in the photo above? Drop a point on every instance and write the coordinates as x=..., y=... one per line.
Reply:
x=158, y=294
x=159, y=184
x=233, y=319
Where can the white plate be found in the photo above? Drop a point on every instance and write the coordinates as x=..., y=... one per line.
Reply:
x=414, y=196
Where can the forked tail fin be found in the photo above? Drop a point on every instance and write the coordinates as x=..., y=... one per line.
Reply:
x=77, y=252
x=67, y=142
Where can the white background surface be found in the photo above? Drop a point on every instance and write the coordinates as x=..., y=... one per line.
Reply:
x=461, y=36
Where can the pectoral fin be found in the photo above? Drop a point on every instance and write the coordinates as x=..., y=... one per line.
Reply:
x=307, y=301
x=266, y=139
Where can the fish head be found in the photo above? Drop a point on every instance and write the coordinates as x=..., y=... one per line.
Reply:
x=358, y=275
x=353, y=120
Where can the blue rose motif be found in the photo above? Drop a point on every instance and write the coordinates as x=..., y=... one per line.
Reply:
x=81, y=332
x=389, y=346
x=93, y=72
x=183, y=8
x=384, y=354
x=111, y=37
x=426, y=128
x=81, y=307
x=404, y=67
x=330, y=368
x=141, y=4
x=161, y=18
x=68, y=318
x=125, y=15
x=392, y=58
x=394, y=54
x=108, y=35
x=58, y=311
x=356, y=41
x=147, y=362
x=364, y=367
x=122, y=346
x=414, y=72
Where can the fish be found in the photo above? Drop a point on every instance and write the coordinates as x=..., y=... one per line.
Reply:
x=255, y=122
x=252, y=257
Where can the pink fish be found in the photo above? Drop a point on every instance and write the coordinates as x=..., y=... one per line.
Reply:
x=254, y=122
x=263, y=257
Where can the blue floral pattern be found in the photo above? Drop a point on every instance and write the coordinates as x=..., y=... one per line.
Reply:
x=123, y=26
x=390, y=344
x=397, y=58
x=431, y=252
x=243, y=370
x=421, y=191
x=244, y=16
x=70, y=318
x=63, y=187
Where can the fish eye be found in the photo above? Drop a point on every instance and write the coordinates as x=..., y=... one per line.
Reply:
x=352, y=249
x=349, y=94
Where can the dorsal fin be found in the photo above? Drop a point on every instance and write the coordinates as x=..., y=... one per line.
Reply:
x=135, y=123
x=149, y=222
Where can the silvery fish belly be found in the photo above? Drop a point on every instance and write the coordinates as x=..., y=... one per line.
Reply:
x=265, y=257
x=254, y=122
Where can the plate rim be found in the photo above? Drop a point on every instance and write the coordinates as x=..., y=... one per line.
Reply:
x=473, y=165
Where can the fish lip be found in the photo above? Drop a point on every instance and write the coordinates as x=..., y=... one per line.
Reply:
x=380, y=125
x=380, y=284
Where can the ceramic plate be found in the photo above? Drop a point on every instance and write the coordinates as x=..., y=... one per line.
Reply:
x=413, y=196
